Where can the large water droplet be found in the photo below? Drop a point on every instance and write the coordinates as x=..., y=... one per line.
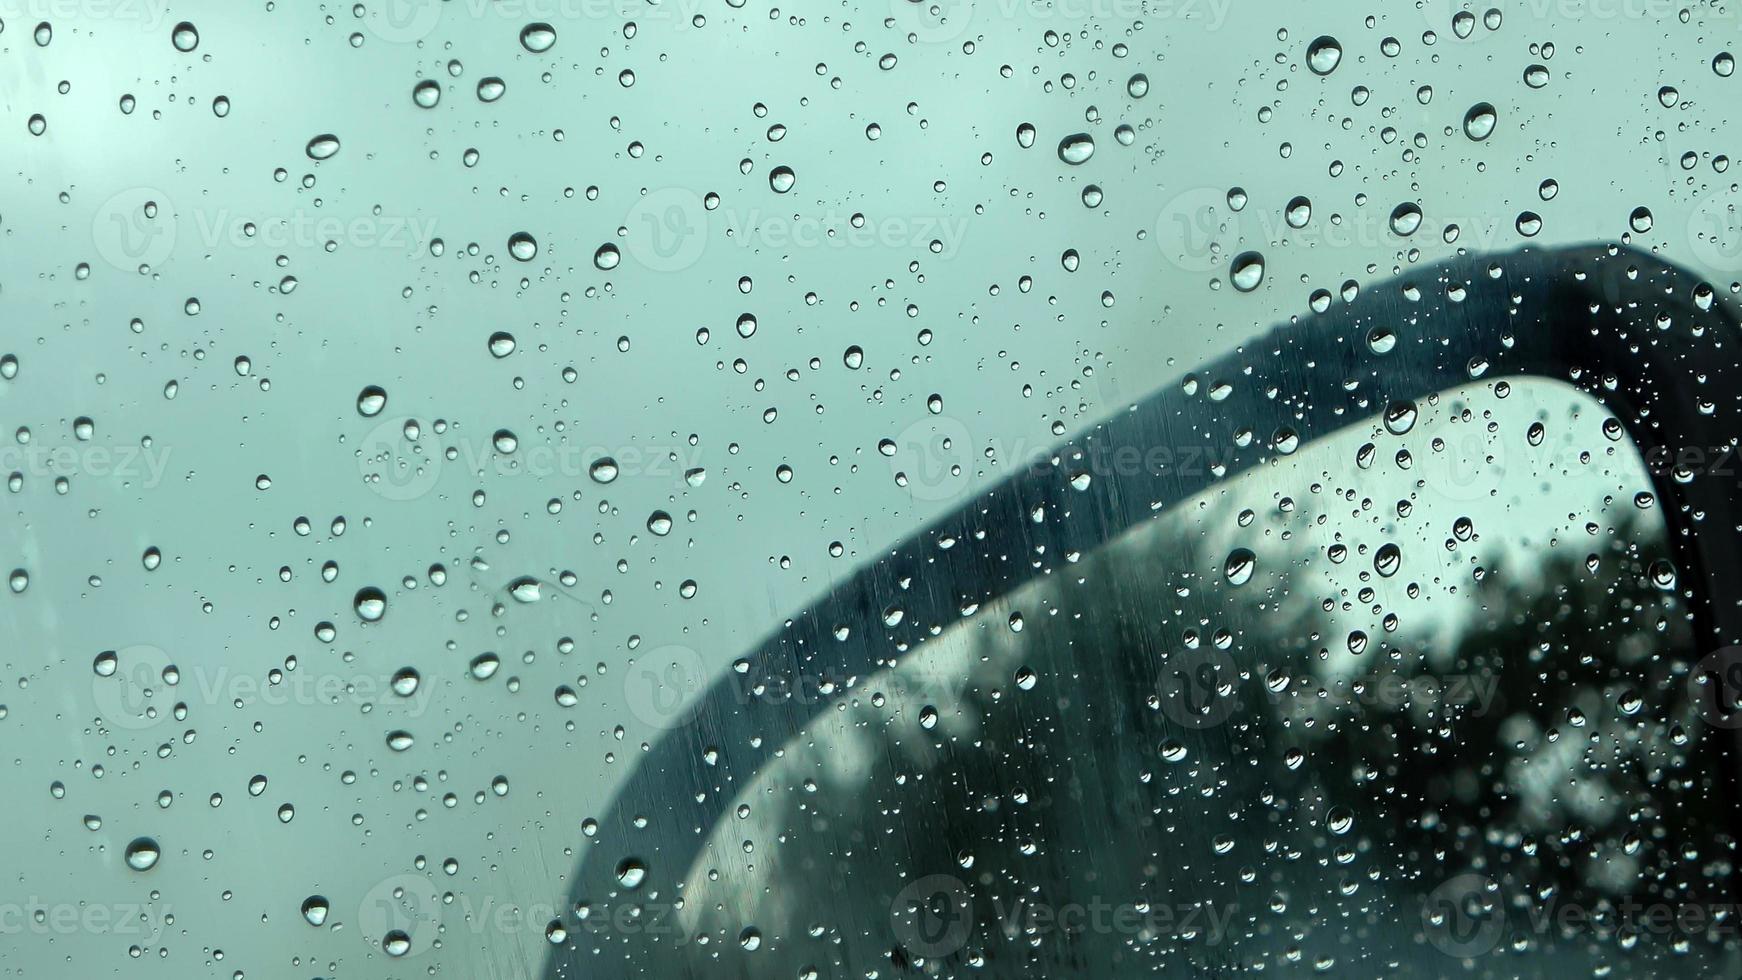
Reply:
x=371, y=400
x=1077, y=148
x=537, y=38
x=1479, y=121
x=142, y=854
x=322, y=147
x=1240, y=565
x=1406, y=218
x=1323, y=54
x=370, y=603
x=522, y=246
x=185, y=37
x=1246, y=271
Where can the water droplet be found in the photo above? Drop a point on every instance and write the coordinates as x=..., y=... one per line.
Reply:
x=405, y=682
x=1240, y=565
x=1406, y=218
x=522, y=246
x=1323, y=54
x=603, y=470
x=371, y=400
x=1400, y=417
x=1076, y=149
x=1387, y=559
x=607, y=257
x=1479, y=121
x=185, y=37
x=1340, y=820
x=524, y=589
x=323, y=147
x=537, y=38
x=427, y=93
x=1640, y=220
x=142, y=854
x=1298, y=212
x=399, y=740
x=501, y=343
x=659, y=522
x=631, y=872
x=781, y=179
x=1138, y=86
x=315, y=909
x=396, y=943
x=370, y=603
x=1246, y=271
x=490, y=89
